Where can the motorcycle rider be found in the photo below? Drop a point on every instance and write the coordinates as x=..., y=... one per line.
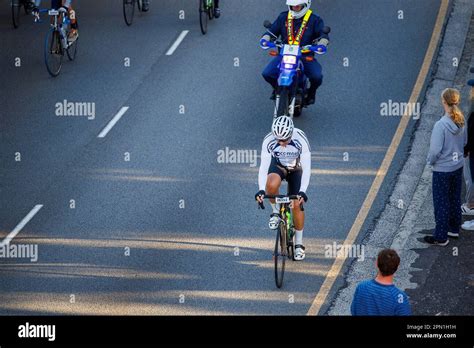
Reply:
x=297, y=26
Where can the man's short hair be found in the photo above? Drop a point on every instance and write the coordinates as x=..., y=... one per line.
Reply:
x=387, y=262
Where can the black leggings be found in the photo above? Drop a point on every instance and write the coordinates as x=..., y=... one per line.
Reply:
x=216, y=3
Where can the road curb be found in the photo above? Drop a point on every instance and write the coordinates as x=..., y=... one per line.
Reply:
x=399, y=219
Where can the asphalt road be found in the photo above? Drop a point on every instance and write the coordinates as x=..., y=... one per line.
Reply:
x=212, y=255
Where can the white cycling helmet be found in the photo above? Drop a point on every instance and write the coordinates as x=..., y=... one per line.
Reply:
x=298, y=14
x=282, y=128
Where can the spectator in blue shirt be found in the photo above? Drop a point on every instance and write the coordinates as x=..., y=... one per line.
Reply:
x=380, y=296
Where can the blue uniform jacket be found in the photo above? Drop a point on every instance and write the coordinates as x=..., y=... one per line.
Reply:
x=313, y=29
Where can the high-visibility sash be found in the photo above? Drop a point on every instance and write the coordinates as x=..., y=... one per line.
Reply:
x=289, y=24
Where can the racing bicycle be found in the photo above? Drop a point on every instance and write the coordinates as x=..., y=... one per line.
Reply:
x=129, y=10
x=206, y=13
x=285, y=237
x=56, y=44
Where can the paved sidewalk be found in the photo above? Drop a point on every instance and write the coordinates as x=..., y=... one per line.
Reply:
x=439, y=281
x=445, y=275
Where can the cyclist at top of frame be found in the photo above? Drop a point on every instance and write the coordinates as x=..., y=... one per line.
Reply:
x=286, y=155
x=217, y=11
x=297, y=26
x=63, y=6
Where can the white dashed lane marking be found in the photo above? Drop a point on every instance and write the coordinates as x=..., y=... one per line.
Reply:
x=20, y=226
x=112, y=122
x=177, y=42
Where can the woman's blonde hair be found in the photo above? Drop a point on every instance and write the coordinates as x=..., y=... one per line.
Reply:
x=452, y=98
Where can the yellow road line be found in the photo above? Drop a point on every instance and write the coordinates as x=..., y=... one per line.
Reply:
x=387, y=161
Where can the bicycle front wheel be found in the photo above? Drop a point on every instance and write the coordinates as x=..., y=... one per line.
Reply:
x=16, y=9
x=279, y=255
x=128, y=11
x=203, y=16
x=53, y=54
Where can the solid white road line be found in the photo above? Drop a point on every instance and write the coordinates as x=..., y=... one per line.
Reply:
x=20, y=226
x=112, y=123
x=177, y=42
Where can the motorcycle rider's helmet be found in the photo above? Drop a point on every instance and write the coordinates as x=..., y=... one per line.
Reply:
x=298, y=14
x=282, y=128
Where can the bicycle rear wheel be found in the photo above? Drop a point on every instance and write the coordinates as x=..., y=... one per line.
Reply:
x=128, y=11
x=72, y=50
x=16, y=9
x=203, y=16
x=280, y=255
x=53, y=54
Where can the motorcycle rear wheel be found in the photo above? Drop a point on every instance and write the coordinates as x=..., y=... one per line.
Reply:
x=283, y=102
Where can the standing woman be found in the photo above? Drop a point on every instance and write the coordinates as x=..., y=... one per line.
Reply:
x=446, y=155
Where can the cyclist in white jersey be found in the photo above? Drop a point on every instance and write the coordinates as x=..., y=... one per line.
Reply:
x=64, y=6
x=286, y=155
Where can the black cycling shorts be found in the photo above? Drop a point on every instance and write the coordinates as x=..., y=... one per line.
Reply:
x=293, y=176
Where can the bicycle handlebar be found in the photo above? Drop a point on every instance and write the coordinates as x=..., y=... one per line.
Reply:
x=37, y=14
x=292, y=197
x=280, y=196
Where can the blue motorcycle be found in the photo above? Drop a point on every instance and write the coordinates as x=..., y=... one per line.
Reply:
x=292, y=82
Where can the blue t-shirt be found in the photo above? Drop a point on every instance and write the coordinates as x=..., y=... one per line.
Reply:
x=373, y=298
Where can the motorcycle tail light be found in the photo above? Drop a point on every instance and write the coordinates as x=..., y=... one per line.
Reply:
x=309, y=59
x=273, y=53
